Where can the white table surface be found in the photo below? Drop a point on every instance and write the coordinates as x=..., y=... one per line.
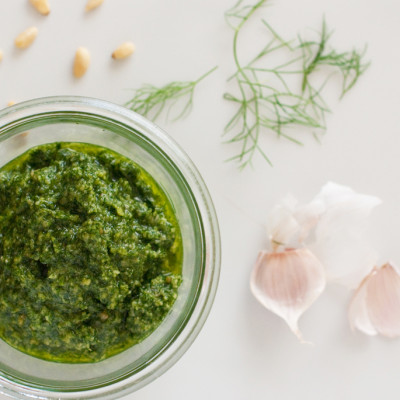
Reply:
x=243, y=351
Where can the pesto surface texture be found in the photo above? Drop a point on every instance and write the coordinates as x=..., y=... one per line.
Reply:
x=90, y=253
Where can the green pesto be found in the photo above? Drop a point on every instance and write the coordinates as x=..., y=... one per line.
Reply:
x=90, y=253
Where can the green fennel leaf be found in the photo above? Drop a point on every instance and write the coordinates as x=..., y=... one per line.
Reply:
x=281, y=96
x=316, y=54
x=150, y=101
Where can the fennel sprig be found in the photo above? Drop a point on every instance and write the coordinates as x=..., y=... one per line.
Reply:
x=317, y=54
x=278, y=97
x=150, y=101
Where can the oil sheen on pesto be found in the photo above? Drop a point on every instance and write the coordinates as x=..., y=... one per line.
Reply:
x=90, y=253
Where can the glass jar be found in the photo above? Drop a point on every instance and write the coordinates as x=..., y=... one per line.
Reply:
x=78, y=119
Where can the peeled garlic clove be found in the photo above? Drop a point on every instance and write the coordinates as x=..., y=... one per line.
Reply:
x=287, y=283
x=375, y=307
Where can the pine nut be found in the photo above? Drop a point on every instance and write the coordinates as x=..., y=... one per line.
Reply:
x=26, y=38
x=42, y=6
x=124, y=50
x=82, y=61
x=92, y=4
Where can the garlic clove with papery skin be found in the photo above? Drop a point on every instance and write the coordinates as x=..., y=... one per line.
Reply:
x=333, y=226
x=375, y=307
x=287, y=283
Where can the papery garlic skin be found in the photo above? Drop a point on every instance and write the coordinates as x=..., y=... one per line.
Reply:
x=333, y=226
x=289, y=224
x=340, y=239
x=282, y=225
x=287, y=283
x=375, y=307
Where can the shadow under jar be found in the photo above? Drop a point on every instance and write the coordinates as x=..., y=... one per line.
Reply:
x=85, y=120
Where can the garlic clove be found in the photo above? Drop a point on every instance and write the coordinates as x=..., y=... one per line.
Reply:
x=375, y=307
x=287, y=283
x=383, y=301
x=358, y=312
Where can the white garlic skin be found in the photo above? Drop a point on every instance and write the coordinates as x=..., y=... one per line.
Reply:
x=333, y=226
